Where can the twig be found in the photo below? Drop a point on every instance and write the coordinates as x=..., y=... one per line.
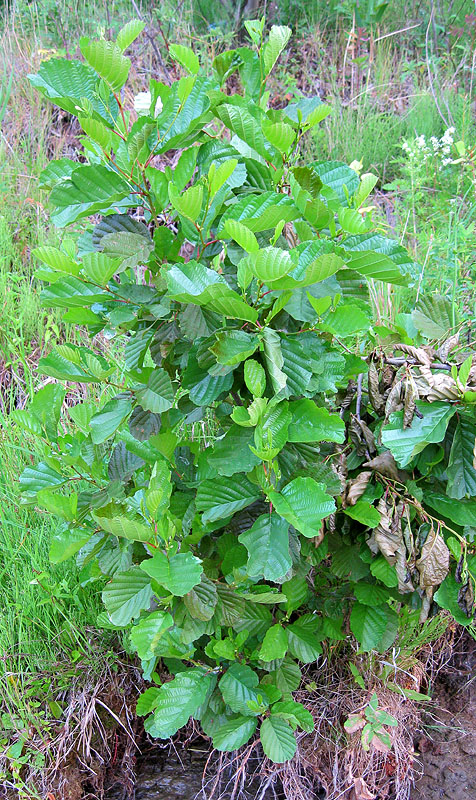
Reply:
x=430, y=76
x=399, y=362
x=152, y=42
x=358, y=402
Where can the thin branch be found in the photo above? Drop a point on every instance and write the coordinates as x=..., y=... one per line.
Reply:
x=153, y=44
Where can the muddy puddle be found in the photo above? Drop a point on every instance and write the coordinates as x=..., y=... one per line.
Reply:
x=180, y=776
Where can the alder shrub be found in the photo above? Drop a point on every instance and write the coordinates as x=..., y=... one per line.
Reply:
x=263, y=476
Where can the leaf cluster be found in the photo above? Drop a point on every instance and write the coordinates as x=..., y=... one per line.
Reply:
x=237, y=285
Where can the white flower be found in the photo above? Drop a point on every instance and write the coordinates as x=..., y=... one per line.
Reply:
x=435, y=143
x=447, y=137
x=420, y=142
x=142, y=103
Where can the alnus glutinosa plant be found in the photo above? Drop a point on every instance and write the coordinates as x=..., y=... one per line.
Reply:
x=262, y=475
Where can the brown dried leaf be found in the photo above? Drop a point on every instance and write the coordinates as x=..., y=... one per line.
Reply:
x=394, y=399
x=434, y=562
x=423, y=355
x=385, y=464
x=354, y=723
x=362, y=437
x=426, y=601
x=361, y=790
x=356, y=487
x=409, y=405
x=378, y=745
x=445, y=349
x=388, y=538
x=436, y=387
x=376, y=398
x=466, y=598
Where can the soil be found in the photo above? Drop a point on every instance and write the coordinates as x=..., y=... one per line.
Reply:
x=447, y=747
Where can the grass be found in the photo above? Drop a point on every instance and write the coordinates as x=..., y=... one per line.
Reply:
x=381, y=94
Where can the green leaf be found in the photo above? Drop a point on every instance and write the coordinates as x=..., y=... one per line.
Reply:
x=57, y=366
x=270, y=264
x=274, y=360
x=238, y=687
x=202, y=600
x=277, y=739
x=287, y=677
x=370, y=594
x=107, y=420
x=129, y=33
x=278, y=38
x=219, y=498
x=376, y=266
x=351, y=221
x=462, y=512
x=427, y=427
x=461, y=472
x=241, y=235
x=56, y=259
x=303, y=643
x=254, y=618
x=267, y=543
x=296, y=591
x=231, y=453
x=365, y=513
x=90, y=189
x=294, y=713
x=188, y=203
x=271, y=433
x=255, y=377
x=42, y=476
x=127, y=595
x=346, y=320
x=275, y=644
x=234, y=734
x=130, y=249
x=132, y=526
x=338, y=177
x=311, y=423
x=447, y=597
x=108, y=61
x=148, y=632
x=368, y=624
x=60, y=505
x=97, y=131
x=234, y=346
x=186, y=57
x=67, y=83
x=99, y=268
x=221, y=176
x=178, y=574
x=146, y=701
x=383, y=571
x=279, y=134
x=177, y=701
x=433, y=316
x=65, y=542
x=304, y=504
x=239, y=120
x=260, y=212
x=195, y=283
x=158, y=394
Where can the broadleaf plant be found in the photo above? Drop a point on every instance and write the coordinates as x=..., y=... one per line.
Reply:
x=249, y=487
